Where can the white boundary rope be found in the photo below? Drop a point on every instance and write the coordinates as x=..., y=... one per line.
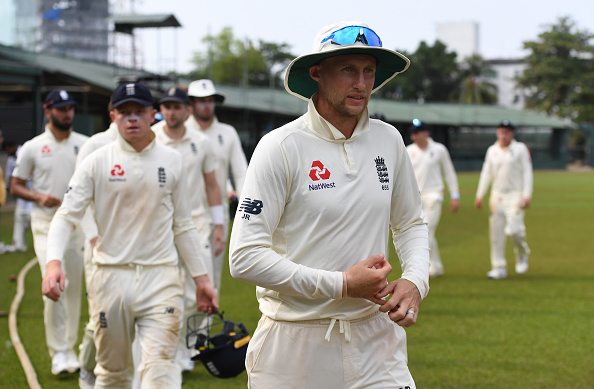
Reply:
x=12, y=325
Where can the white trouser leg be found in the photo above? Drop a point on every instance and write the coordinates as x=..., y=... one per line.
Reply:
x=61, y=318
x=497, y=232
x=515, y=227
x=87, y=350
x=22, y=220
x=150, y=298
x=218, y=259
x=432, y=203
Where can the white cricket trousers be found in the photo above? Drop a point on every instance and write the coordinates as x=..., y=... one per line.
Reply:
x=219, y=259
x=432, y=204
x=150, y=298
x=22, y=220
x=87, y=350
x=297, y=355
x=62, y=317
x=506, y=218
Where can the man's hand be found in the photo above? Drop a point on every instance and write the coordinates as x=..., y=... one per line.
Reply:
x=478, y=203
x=454, y=205
x=93, y=242
x=47, y=200
x=54, y=278
x=525, y=203
x=367, y=278
x=218, y=239
x=405, y=297
x=206, y=296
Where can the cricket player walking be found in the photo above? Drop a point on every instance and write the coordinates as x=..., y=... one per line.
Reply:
x=508, y=168
x=432, y=164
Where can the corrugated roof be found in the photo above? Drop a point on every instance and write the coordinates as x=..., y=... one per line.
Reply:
x=265, y=100
x=262, y=99
x=94, y=73
x=127, y=22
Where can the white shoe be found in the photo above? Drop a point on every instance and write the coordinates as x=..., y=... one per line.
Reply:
x=72, y=362
x=522, y=264
x=59, y=363
x=497, y=274
x=86, y=379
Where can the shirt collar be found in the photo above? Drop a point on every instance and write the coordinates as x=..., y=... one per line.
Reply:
x=325, y=130
x=126, y=147
x=50, y=134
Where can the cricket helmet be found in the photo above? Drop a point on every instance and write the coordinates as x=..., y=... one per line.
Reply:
x=220, y=344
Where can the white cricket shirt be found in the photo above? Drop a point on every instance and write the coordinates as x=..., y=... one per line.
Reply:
x=50, y=164
x=509, y=170
x=96, y=141
x=140, y=205
x=199, y=159
x=314, y=204
x=229, y=155
x=431, y=166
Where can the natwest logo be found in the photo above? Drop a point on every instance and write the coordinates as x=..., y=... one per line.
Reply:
x=117, y=171
x=45, y=150
x=318, y=171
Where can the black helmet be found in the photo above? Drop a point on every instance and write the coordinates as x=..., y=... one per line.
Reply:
x=220, y=344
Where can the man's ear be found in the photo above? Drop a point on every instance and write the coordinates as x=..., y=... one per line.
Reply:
x=314, y=72
x=112, y=115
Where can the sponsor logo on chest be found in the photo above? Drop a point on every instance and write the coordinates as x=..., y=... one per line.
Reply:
x=320, y=175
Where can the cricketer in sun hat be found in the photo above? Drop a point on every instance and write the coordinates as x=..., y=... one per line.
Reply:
x=339, y=39
x=204, y=88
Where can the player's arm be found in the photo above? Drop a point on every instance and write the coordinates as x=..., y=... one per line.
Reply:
x=188, y=245
x=527, y=179
x=449, y=173
x=484, y=181
x=411, y=239
x=213, y=195
x=238, y=164
x=76, y=202
x=18, y=188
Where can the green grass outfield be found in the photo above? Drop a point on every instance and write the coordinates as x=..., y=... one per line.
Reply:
x=529, y=331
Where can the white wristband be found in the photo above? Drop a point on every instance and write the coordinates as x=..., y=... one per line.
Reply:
x=455, y=195
x=217, y=214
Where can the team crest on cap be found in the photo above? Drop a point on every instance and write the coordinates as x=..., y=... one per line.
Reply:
x=64, y=95
x=130, y=89
x=171, y=91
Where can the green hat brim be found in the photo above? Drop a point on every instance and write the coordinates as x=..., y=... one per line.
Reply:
x=299, y=83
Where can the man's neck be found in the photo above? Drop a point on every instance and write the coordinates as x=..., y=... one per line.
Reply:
x=60, y=135
x=204, y=124
x=423, y=145
x=345, y=124
x=175, y=133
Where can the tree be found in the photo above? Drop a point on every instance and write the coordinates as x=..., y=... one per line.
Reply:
x=235, y=62
x=559, y=79
x=472, y=87
x=431, y=76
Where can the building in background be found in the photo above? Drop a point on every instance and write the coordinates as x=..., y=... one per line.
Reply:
x=460, y=37
x=503, y=74
x=72, y=28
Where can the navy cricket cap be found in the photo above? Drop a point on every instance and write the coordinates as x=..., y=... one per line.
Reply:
x=174, y=94
x=58, y=99
x=506, y=124
x=131, y=91
x=417, y=126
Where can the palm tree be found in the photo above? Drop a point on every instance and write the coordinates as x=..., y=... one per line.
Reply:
x=474, y=89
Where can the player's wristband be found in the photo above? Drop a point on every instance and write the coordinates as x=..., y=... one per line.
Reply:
x=455, y=195
x=217, y=214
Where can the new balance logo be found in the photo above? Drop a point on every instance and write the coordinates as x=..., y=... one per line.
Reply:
x=318, y=171
x=253, y=207
x=169, y=310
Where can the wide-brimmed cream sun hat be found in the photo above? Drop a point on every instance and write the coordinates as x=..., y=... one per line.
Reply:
x=204, y=88
x=339, y=39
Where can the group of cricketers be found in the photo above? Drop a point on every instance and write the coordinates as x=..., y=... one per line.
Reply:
x=316, y=202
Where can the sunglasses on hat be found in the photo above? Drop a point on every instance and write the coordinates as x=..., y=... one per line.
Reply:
x=352, y=34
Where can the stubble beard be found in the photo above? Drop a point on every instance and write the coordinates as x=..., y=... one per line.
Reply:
x=59, y=125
